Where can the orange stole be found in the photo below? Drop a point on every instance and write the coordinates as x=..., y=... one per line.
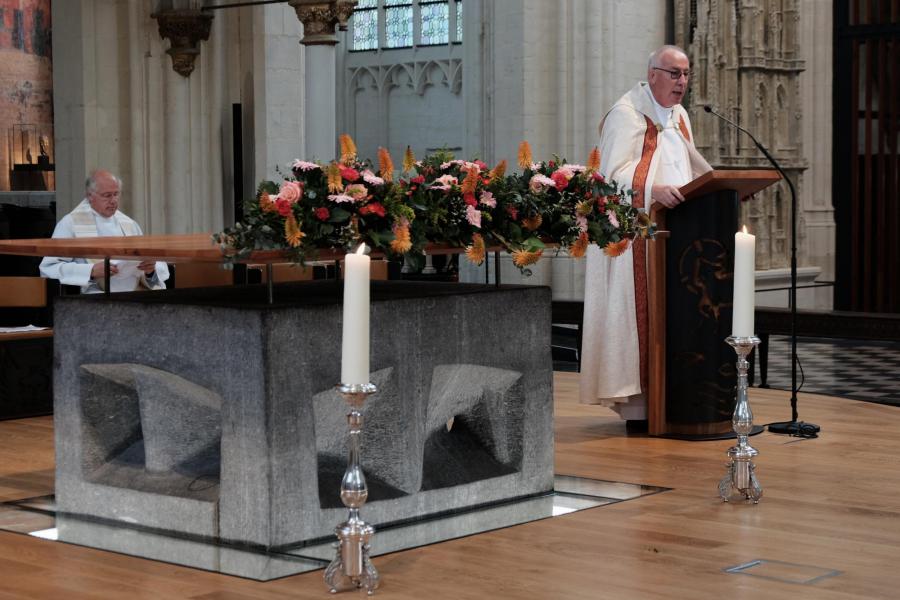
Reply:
x=683, y=127
x=639, y=251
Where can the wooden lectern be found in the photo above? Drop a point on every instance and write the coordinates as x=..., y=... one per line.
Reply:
x=692, y=374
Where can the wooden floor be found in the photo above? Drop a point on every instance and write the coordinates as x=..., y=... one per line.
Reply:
x=832, y=502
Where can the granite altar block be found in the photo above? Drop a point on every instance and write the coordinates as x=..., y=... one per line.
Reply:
x=212, y=413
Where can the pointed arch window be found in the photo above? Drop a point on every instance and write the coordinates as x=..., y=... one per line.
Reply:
x=389, y=24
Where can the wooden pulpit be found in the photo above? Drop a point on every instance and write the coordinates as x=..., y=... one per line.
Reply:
x=692, y=374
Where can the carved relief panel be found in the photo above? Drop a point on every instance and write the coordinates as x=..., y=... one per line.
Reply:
x=745, y=59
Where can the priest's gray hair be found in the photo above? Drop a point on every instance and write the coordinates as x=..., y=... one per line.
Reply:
x=654, y=56
x=90, y=184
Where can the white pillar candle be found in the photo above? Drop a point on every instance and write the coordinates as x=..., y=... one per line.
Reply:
x=744, y=283
x=355, y=342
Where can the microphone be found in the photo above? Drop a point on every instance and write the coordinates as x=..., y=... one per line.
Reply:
x=792, y=427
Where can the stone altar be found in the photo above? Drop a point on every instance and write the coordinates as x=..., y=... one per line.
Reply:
x=211, y=413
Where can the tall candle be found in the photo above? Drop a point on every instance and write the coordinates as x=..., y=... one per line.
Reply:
x=744, y=283
x=355, y=342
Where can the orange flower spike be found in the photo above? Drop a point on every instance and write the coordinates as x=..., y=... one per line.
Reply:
x=523, y=258
x=525, y=155
x=409, y=160
x=614, y=249
x=401, y=244
x=385, y=164
x=292, y=233
x=579, y=248
x=470, y=182
x=499, y=171
x=348, y=149
x=476, y=252
x=335, y=184
x=594, y=160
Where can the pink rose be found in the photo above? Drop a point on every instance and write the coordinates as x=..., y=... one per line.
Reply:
x=487, y=199
x=290, y=191
x=357, y=191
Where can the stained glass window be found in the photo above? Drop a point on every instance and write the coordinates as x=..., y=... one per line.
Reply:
x=435, y=23
x=365, y=25
x=398, y=24
x=393, y=19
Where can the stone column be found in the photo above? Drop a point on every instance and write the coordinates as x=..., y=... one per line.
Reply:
x=319, y=18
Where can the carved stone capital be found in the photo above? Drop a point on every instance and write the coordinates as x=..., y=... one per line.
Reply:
x=319, y=18
x=184, y=29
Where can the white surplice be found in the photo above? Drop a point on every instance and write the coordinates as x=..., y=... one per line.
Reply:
x=641, y=144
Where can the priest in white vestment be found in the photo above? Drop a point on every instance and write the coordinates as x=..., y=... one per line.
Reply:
x=645, y=144
x=98, y=215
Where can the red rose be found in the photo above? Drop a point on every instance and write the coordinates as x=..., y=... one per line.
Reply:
x=283, y=207
x=551, y=164
x=513, y=212
x=322, y=213
x=418, y=179
x=469, y=198
x=482, y=165
x=598, y=177
x=560, y=179
x=349, y=174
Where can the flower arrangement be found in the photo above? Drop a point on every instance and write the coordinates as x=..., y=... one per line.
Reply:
x=438, y=200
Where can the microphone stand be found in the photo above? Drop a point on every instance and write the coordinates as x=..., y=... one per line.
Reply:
x=792, y=427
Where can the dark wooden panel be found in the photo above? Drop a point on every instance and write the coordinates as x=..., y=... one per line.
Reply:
x=865, y=126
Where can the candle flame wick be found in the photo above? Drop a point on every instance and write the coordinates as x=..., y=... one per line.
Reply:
x=745, y=229
x=361, y=249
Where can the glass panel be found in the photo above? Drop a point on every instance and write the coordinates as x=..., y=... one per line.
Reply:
x=397, y=2
x=36, y=517
x=398, y=26
x=435, y=23
x=365, y=29
x=459, y=22
x=366, y=4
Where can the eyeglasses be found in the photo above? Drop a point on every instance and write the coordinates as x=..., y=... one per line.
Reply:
x=108, y=195
x=675, y=73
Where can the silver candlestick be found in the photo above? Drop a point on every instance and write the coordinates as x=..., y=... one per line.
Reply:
x=351, y=567
x=740, y=476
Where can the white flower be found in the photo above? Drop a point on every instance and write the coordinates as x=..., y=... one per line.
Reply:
x=371, y=178
x=341, y=198
x=303, y=165
x=575, y=168
x=538, y=183
x=613, y=220
x=444, y=182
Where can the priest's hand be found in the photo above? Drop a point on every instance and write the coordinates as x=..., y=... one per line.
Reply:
x=97, y=270
x=147, y=266
x=667, y=195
